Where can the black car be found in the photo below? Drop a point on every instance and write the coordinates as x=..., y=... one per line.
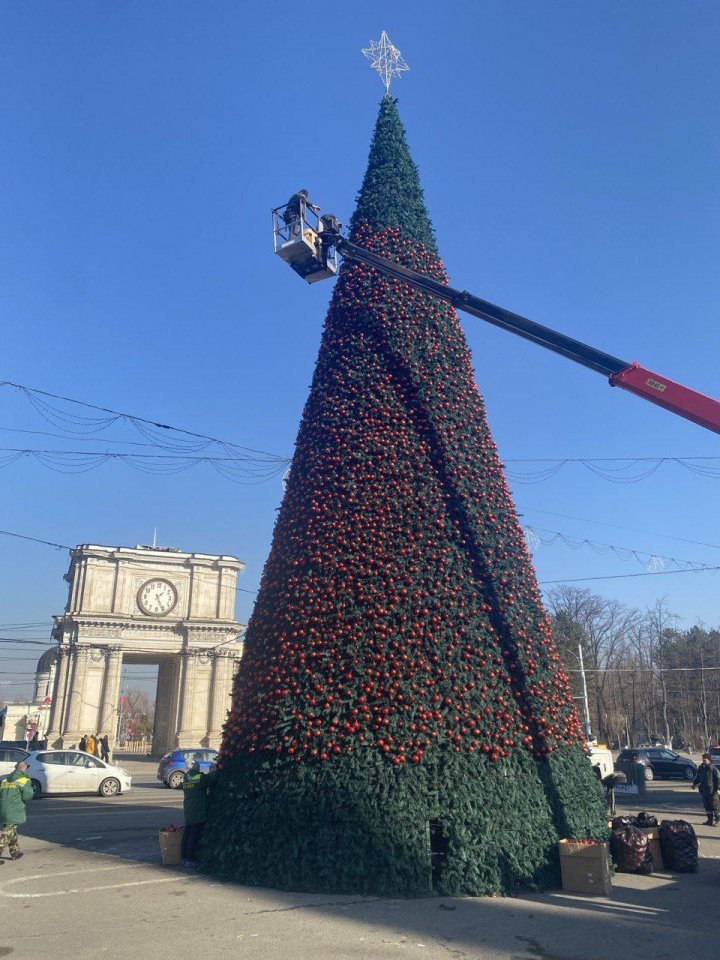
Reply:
x=659, y=763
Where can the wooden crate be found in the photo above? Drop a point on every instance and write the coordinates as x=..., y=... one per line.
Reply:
x=171, y=846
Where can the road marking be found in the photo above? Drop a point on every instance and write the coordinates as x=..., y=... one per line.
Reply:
x=85, y=814
x=73, y=873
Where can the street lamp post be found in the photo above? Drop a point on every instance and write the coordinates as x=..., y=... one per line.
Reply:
x=584, y=696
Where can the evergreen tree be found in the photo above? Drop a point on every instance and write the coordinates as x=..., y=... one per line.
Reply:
x=400, y=689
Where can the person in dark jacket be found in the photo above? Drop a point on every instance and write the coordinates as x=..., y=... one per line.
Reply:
x=34, y=743
x=15, y=793
x=707, y=780
x=195, y=802
x=295, y=210
x=83, y=744
x=104, y=748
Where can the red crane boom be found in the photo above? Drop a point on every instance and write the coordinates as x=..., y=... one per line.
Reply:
x=312, y=253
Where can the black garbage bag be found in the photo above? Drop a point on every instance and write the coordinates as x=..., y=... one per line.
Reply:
x=630, y=849
x=679, y=846
x=646, y=820
x=619, y=823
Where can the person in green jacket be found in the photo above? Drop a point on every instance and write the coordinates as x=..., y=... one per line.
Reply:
x=195, y=802
x=15, y=793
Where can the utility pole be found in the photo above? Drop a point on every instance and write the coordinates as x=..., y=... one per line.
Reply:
x=586, y=705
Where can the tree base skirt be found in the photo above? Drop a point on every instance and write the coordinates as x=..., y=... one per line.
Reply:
x=458, y=825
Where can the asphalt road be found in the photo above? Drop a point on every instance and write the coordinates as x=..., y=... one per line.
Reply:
x=91, y=885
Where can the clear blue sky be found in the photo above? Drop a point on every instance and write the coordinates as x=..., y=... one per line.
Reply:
x=569, y=153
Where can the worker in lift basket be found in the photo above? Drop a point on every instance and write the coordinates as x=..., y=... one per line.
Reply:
x=195, y=809
x=15, y=793
x=295, y=211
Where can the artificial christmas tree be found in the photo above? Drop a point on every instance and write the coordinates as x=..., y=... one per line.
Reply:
x=401, y=722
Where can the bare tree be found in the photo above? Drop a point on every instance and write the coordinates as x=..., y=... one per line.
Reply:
x=604, y=628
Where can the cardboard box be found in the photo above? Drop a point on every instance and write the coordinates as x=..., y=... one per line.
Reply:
x=585, y=868
x=171, y=846
x=653, y=834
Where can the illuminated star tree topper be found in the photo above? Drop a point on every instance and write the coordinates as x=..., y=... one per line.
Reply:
x=385, y=59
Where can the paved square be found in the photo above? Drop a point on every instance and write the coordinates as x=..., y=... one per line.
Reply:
x=91, y=885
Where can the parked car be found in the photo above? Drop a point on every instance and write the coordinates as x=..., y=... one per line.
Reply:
x=715, y=755
x=174, y=765
x=9, y=756
x=72, y=771
x=659, y=764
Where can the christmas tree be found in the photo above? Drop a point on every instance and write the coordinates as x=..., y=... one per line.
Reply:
x=402, y=722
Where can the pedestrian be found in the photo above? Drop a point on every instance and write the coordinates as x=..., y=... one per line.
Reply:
x=34, y=744
x=707, y=780
x=105, y=749
x=97, y=744
x=90, y=744
x=83, y=744
x=195, y=803
x=15, y=793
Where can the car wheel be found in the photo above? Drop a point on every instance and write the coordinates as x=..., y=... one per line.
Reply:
x=109, y=787
x=175, y=780
x=649, y=774
x=37, y=789
x=689, y=773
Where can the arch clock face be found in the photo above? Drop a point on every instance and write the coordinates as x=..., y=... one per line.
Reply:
x=157, y=597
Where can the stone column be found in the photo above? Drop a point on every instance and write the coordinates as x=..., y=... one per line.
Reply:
x=72, y=732
x=185, y=736
x=220, y=703
x=110, y=694
x=166, y=700
x=59, y=698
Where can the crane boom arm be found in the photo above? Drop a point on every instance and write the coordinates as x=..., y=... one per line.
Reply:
x=683, y=401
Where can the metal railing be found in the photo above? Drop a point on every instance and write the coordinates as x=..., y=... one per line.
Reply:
x=134, y=746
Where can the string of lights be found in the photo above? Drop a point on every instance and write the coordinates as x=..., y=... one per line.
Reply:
x=681, y=566
x=618, y=526
x=258, y=466
x=158, y=433
x=614, y=469
x=241, y=469
x=652, y=562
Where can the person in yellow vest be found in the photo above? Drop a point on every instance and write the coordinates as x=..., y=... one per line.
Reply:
x=15, y=793
x=90, y=744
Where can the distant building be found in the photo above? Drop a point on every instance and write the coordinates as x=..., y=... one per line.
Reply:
x=19, y=721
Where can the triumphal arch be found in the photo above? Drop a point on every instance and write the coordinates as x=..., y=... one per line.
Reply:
x=146, y=605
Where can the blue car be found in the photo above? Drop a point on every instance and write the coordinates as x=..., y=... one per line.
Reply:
x=174, y=766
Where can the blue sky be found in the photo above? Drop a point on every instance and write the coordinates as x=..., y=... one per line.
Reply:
x=569, y=157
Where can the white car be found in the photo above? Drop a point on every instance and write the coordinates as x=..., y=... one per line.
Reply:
x=71, y=771
x=9, y=756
